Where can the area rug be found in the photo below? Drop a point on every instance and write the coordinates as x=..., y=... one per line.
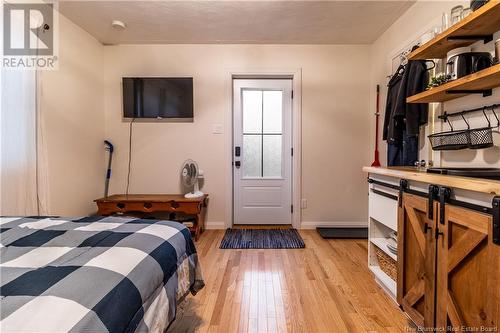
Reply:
x=262, y=239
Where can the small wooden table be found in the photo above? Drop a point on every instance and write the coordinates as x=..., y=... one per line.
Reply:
x=149, y=203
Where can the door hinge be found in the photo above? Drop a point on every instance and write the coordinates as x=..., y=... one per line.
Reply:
x=292, y=94
x=291, y=209
x=291, y=149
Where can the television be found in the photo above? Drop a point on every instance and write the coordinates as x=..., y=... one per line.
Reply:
x=157, y=97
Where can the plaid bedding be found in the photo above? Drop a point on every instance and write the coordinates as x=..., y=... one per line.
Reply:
x=94, y=274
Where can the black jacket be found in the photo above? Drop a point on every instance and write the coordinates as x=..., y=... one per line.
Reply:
x=391, y=123
x=401, y=116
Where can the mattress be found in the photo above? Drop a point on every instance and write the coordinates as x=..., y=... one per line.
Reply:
x=94, y=274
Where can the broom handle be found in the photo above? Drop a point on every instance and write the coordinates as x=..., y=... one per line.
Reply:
x=377, y=114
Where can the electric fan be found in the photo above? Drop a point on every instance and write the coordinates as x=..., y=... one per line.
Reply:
x=190, y=175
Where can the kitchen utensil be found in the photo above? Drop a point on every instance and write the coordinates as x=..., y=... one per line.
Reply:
x=461, y=63
x=458, y=65
x=456, y=14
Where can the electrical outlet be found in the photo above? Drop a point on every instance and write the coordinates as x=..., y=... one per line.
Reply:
x=303, y=203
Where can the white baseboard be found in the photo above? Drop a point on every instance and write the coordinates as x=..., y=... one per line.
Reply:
x=331, y=224
x=213, y=225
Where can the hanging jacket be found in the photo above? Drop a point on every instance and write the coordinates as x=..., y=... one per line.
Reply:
x=414, y=81
x=390, y=124
x=401, y=116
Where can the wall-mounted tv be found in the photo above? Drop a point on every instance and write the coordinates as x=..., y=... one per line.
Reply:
x=157, y=97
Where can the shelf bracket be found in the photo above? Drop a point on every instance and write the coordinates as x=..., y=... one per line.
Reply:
x=484, y=38
x=484, y=92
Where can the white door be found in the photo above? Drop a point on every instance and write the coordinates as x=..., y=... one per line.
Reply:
x=262, y=151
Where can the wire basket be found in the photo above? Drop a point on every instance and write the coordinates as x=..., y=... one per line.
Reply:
x=452, y=140
x=481, y=138
x=477, y=138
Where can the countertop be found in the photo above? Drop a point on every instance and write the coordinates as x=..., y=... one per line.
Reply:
x=412, y=173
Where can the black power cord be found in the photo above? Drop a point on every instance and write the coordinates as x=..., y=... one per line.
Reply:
x=129, y=154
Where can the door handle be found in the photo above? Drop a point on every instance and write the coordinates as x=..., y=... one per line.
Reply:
x=237, y=164
x=426, y=227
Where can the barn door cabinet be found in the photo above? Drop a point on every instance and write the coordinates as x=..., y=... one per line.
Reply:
x=449, y=262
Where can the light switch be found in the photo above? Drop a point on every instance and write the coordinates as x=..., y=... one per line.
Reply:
x=217, y=129
x=303, y=203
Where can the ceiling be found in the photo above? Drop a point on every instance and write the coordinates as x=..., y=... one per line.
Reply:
x=236, y=22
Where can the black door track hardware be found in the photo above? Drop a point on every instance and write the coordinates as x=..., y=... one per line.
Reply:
x=496, y=220
x=376, y=182
x=403, y=186
x=432, y=195
x=444, y=196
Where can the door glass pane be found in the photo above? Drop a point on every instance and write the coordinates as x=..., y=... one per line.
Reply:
x=273, y=111
x=272, y=155
x=252, y=111
x=252, y=156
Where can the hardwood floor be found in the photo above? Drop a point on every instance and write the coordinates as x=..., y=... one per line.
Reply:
x=326, y=287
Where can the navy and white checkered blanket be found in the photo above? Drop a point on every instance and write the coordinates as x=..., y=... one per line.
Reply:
x=94, y=274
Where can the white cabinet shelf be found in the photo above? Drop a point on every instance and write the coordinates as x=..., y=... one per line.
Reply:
x=382, y=221
x=384, y=280
x=381, y=243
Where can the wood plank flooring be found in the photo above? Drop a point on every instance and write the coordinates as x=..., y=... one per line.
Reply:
x=326, y=287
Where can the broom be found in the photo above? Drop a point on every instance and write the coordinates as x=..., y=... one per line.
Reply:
x=376, y=162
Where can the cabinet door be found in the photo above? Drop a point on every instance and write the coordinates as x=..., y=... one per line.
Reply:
x=468, y=269
x=416, y=260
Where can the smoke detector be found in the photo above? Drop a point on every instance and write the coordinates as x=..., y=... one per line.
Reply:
x=118, y=25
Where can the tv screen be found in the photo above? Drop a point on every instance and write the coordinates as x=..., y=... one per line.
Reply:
x=157, y=97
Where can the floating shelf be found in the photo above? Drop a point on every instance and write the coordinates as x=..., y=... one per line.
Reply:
x=481, y=82
x=480, y=25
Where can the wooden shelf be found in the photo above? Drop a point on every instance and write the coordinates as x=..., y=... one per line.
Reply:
x=483, y=22
x=481, y=81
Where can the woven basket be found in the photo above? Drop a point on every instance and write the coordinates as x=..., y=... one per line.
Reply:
x=386, y=263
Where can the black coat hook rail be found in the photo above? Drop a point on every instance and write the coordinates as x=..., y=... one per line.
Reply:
x=446, y=115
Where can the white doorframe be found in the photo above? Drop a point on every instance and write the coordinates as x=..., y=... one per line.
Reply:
x=296, y=76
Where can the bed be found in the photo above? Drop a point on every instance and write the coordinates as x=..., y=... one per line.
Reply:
x=94, y=274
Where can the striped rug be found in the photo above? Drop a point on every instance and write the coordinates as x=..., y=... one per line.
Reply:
x=262, y=239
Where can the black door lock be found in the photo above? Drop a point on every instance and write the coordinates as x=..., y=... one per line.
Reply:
x=237, y=164
x=237, y=151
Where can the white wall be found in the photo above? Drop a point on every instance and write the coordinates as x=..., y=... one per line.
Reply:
x=335, y=126
x=420, y=18
x=71, y=107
